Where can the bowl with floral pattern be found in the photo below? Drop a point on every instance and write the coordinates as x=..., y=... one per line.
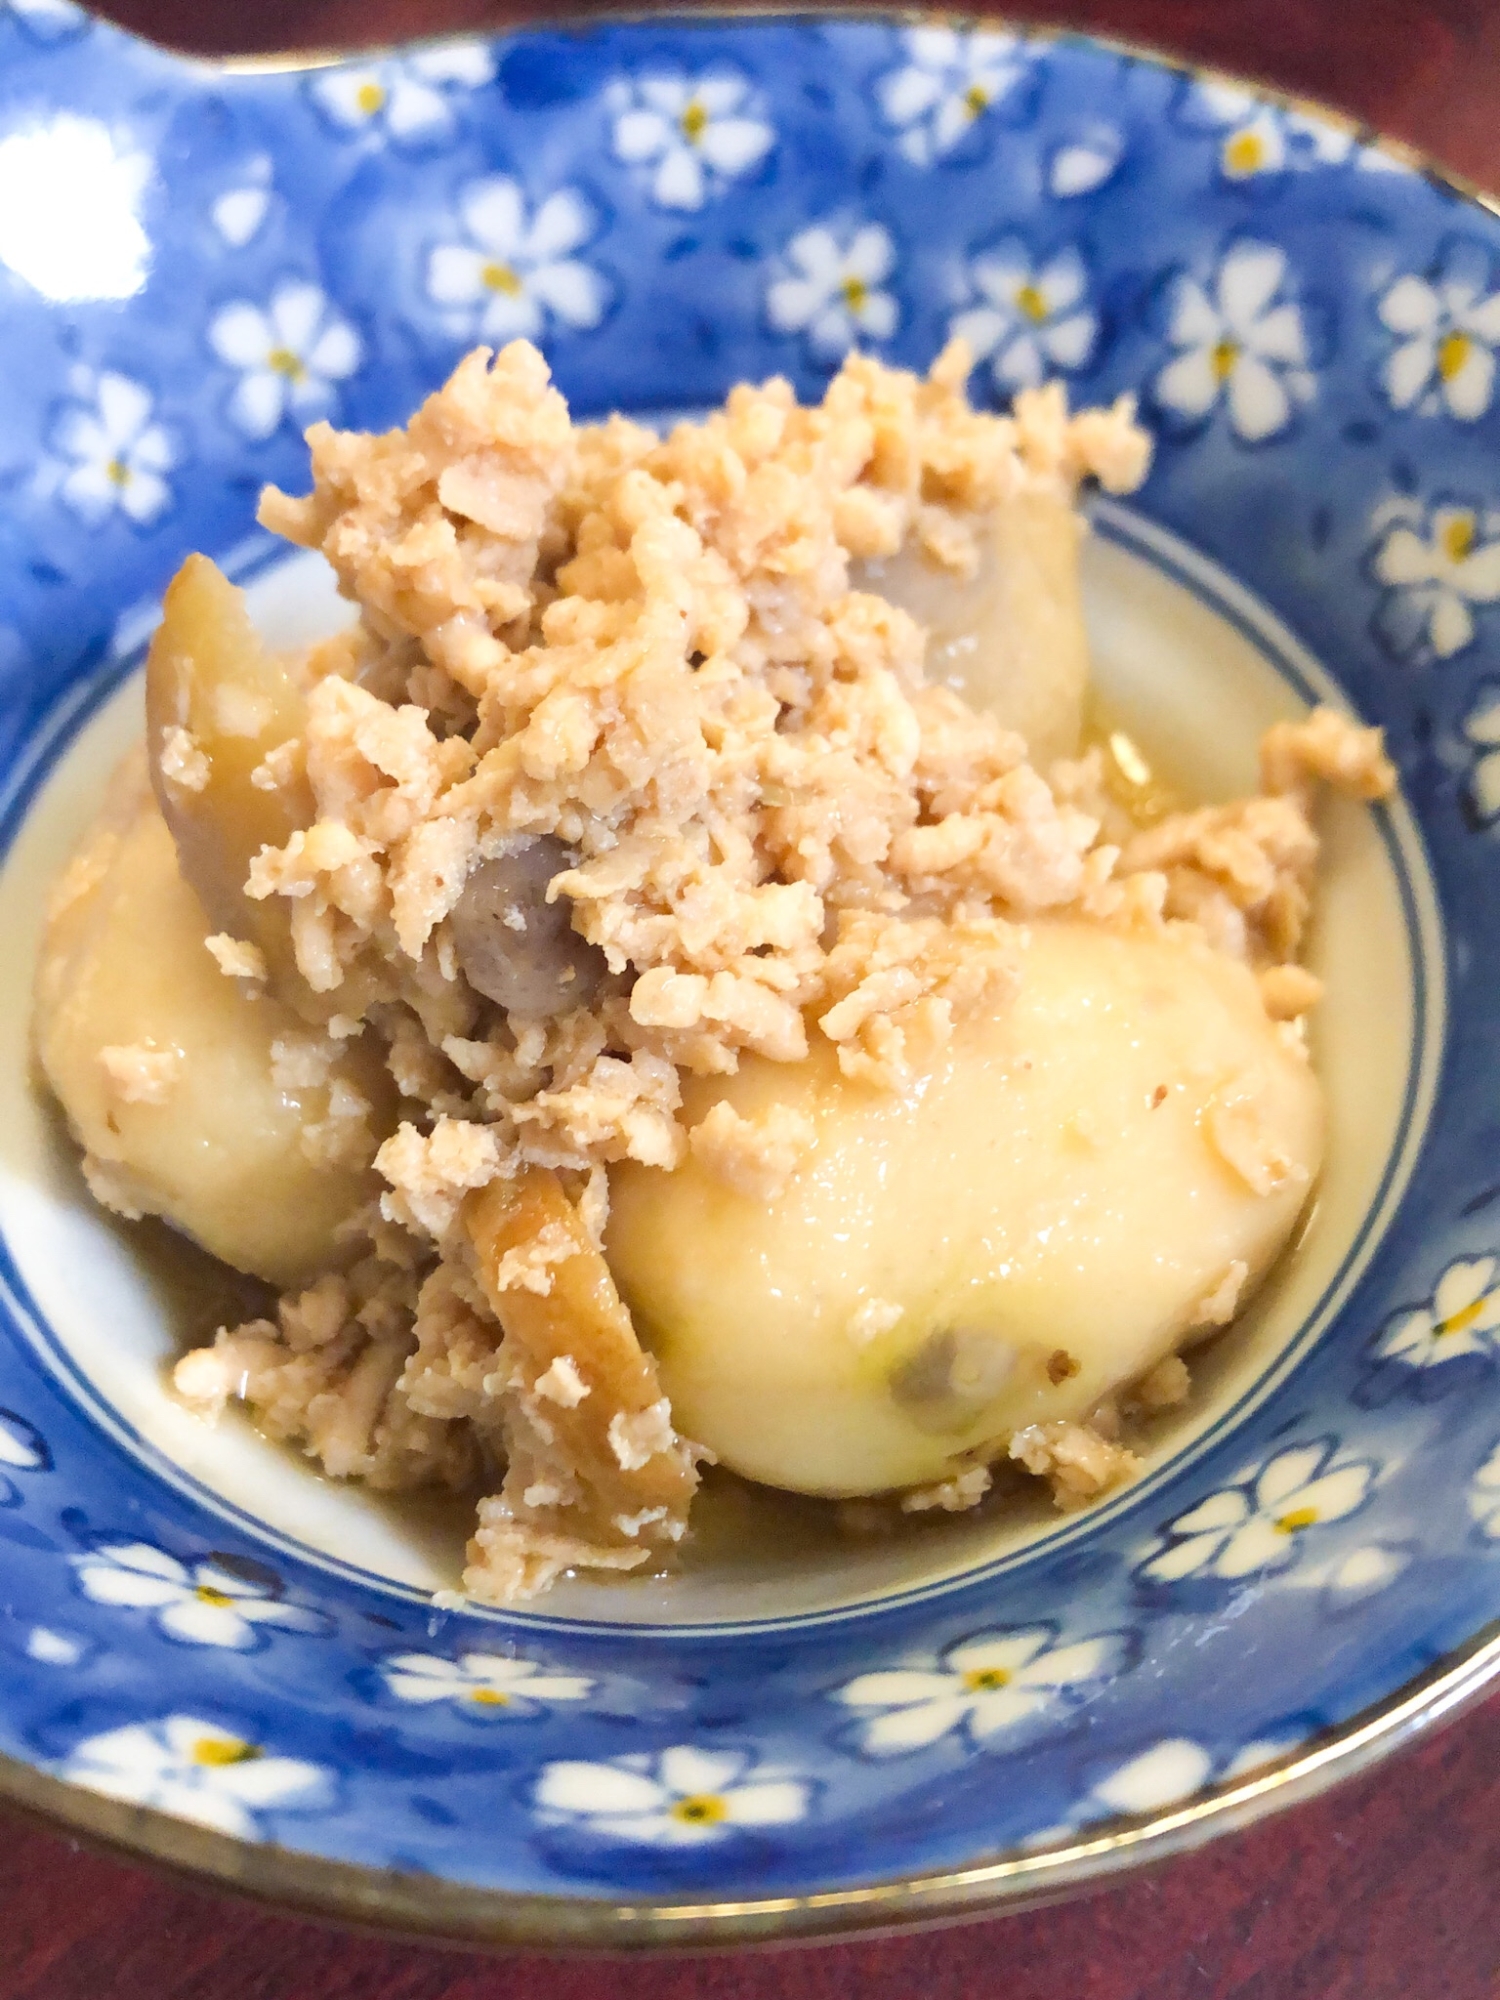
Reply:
x=212, y=1659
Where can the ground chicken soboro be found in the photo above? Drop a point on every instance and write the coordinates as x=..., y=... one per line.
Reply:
x=622, y=783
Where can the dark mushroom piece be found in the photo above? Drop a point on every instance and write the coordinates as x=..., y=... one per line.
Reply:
x=952, y=1377
x=515, y=947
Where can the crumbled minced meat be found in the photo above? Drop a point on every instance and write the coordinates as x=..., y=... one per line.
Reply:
x=181, y=762
x=1294, y=756
x=636, y=1439
x=754, y=1156
x=1078, y=1462
x=648, y=651
x=1242, y=1133
x=1167, y=1384
x=1223, y=1302
x=1289, y=991
x=950, y=1496
x=237, y=958
x=140, y=1074
x=871, y=1318
x=562, y=1383
x=112, y=1188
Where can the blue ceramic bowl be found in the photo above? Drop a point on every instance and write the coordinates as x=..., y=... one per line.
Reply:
x=211, y=1658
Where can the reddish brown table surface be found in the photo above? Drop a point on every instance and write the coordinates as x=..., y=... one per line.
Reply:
x=1386, y=1889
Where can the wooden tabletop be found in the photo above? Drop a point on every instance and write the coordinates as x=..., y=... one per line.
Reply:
x=1386, y=1889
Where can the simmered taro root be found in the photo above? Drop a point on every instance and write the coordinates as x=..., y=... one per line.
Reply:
x=195, y=1096
x=701, y=824
x=1003, y=617
x=1086, y=1179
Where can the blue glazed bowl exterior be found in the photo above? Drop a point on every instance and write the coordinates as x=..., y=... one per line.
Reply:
x=1311, y=326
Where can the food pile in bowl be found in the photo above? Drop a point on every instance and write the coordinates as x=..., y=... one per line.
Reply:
x=683, y=977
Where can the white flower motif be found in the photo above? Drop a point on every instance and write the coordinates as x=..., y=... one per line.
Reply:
x=1254, y=144
x=111, y=455
x=1241, y=339
x=1080, y=165
x=1435, y=567
x=1160, y=1776
x=409, y=99
x=1031, y=319
x=1374, y=159
x=488, y=1682
x=1261, y=138
x=239, y=212
x=291, y=355
x=200, y=1604
x=197, y=1771
x=54, y=1649
x=951, y=77
x=1462, y=1317
x=1166, y=1774
x=683, y=1798
x=1484, y=1496
x=1365, y=1571
x=696, y=134
x=983, y=1685
x=21, y=1444
x=1481, y=730
x=833, y=294
x=513, y=274
x=1255, y=1756
x=1446, y=326
x=1257, y=1527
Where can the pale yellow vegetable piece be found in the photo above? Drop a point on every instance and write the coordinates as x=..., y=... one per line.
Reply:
x=1057, y=1205
x=1010, y=639
x=164, y=1065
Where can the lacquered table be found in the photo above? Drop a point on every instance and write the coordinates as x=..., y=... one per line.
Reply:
x=1387, y=1889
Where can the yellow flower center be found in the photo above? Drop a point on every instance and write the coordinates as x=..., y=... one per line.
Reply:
x=1297, y=1519
x=217, y=1751
x=1244, y=153
x=489, y=1697
x=986, y=1680
x=1226, y=353
x=694, y=122
x=370, y=97
x=1453, y=351
x=1458, y=536
x=206, y=1594
x=285, y=362
x=117, y=472
x=855, y=291
x=501, y=278
x=1030, y=301
x=700, y=1809
x=976, y=99
x=1459, y=1322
